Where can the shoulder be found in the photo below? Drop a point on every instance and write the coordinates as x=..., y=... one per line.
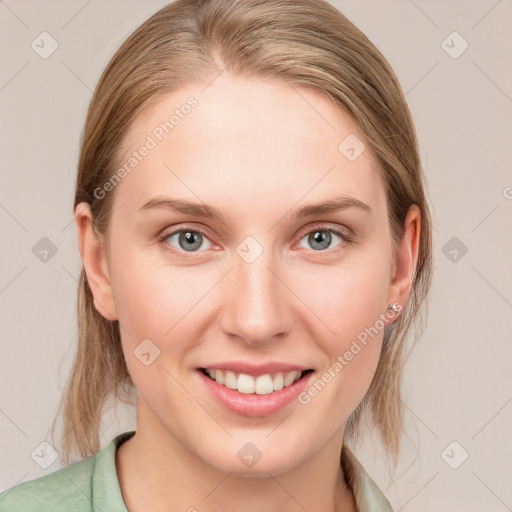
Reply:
x=68, y=488
x=84, y=486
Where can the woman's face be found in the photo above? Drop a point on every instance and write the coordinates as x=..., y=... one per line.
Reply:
x=263, y=282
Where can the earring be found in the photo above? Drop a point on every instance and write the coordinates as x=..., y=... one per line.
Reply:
x=394, y=307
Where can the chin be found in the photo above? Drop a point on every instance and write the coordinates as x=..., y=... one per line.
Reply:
x=250, y=459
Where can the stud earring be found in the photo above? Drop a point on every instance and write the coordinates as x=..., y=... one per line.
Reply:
x=394, y=307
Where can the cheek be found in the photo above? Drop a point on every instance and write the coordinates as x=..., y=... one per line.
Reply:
x=162, y=303
x=154, y=302
x=152, y=296
x=347, y=298
x=350, y=303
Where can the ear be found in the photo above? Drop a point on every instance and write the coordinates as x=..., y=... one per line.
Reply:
x=406, y=259
x=95, y=263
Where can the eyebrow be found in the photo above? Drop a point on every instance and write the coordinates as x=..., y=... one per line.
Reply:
x=203, y=210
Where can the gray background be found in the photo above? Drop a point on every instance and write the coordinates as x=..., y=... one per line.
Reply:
x=458, y=380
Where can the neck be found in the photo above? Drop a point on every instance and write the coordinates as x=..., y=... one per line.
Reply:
x=157, y=472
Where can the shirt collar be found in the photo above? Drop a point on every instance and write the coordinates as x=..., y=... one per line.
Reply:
x=367, y=495
x=106, y=492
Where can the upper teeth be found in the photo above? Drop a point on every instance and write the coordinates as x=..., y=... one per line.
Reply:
x=262, y=385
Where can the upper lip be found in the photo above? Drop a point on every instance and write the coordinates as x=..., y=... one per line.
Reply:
x=257, y=369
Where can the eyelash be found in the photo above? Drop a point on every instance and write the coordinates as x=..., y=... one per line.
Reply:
x=342, y=233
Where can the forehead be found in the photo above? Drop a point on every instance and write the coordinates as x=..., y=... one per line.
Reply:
x=248, y=143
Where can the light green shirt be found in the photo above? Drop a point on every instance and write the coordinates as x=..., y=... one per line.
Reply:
x=91, y=485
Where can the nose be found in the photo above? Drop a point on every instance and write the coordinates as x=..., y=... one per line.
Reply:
x=256, y=307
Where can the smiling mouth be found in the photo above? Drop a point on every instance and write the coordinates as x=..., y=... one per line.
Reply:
x=247, y=384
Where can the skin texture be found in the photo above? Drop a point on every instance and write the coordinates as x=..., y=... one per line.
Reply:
x=254, y=150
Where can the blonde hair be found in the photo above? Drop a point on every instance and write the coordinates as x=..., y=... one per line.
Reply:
x=306, y=42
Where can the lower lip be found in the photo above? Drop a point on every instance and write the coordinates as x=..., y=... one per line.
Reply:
x=254, y=404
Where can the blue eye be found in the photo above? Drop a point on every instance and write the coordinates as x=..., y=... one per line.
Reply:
x=320, y=238
x=192, y=240
x=188, y=240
